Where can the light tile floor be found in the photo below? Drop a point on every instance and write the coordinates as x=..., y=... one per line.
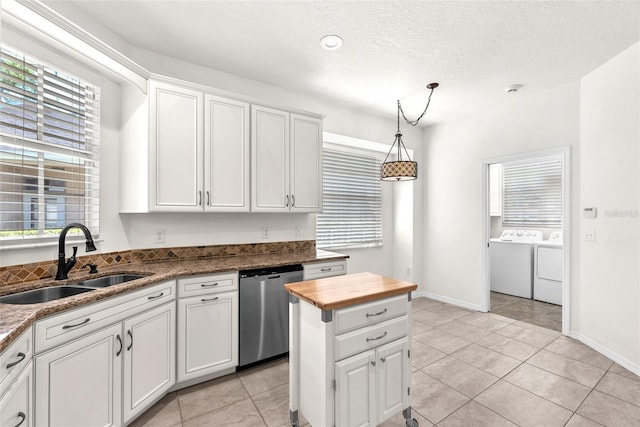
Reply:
x=527, y=310
x=469, y=369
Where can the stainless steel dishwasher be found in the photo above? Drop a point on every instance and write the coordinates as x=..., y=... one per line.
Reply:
x=264, y=312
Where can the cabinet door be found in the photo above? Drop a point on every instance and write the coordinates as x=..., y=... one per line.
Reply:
x=176, y=144
x=226, y=148
x=355, y=390
x=149, y=358
x=207, y=334
x=392, y=364
x=79, y=384
x=306, y=164
x=15, y=405
x=269, y=160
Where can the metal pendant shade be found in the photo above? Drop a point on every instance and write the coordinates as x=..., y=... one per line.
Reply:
x=403, y=168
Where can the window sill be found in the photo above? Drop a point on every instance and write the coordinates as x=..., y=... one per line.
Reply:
x=43, y=243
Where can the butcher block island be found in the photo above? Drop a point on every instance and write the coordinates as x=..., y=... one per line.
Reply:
x=349, y=350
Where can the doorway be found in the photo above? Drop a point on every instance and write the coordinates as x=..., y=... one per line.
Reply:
x=545, y=238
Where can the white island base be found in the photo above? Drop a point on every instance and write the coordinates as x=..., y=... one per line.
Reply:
x=349, y=350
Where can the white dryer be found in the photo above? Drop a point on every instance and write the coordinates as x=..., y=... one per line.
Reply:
x=548, y=262
x=512, y=262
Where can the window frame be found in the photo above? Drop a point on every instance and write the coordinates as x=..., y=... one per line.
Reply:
x=376, y=236
x=76, y=164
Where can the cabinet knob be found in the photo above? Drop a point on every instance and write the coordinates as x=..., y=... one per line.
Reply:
x=373, y=363
x=383, y=359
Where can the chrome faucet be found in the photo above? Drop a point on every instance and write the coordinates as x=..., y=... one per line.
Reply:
x=65, y=266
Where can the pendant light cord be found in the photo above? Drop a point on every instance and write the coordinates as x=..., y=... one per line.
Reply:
x=415, y=122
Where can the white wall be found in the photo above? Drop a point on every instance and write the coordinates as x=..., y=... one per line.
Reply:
x=609, y=300
x=452, y=173
x=126, y=231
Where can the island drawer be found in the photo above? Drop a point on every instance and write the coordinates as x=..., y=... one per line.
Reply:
x=370, y=337
x=55, y=330
x=361, y=315
x=200, y=285
x=14, y=358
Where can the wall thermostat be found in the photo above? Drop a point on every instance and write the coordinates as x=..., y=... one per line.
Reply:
x=590, y=213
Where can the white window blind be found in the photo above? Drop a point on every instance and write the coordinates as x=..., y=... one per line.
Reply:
x=49, y=138
x=352, y=201
x=532, y=193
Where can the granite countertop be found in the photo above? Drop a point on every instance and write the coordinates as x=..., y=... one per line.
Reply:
x=337, y=292
x=15, y=319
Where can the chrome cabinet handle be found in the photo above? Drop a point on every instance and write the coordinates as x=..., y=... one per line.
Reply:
x=22, y=417
x=208, y=285
x=120, y=341
x=208, y=199
x=326, y=269
x=293, y=200
x=208, y=299
x=200, y=198
x=377, y=338
x=155, y=296
x=21, y=357
x=287, y=200
x=130, y=336
x=84, y=322
x=377, y=314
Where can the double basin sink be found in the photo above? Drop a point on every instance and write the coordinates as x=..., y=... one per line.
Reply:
x=51, y=293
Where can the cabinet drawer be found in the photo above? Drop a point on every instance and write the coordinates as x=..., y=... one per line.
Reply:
x=200, y=285
x=14, y=359
x=358, y=316
x=370, y=337
x=56, y=330
x=324, y=269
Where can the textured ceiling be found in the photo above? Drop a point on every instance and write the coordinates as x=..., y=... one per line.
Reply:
x=391, y=50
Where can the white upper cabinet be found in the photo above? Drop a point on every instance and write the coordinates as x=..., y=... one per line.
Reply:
x=226, y=148
x=176, y=145
x=270, y=160
x=187, y=149
x=306, y=164
x=286, y=157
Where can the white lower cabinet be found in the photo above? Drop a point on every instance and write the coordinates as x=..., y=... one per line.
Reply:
x=149, y=358
x=207, y=326
x=372, y=386
x=106, y=377
x=15, y=404
x=78, y=384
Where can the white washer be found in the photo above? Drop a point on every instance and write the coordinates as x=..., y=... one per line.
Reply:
x=512, y=262
x=549, y=260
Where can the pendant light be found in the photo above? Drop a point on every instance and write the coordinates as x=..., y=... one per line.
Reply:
x=400, y=169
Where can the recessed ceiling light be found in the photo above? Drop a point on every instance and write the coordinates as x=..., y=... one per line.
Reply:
x=331, y=42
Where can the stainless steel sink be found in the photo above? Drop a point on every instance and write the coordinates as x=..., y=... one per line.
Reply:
x=36, y=296
x=51, y=293
x=103, y=282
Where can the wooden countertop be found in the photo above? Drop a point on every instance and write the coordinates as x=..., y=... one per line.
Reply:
x=343, y=291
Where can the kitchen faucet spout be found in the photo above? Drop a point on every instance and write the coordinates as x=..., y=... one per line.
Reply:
x=65, y=266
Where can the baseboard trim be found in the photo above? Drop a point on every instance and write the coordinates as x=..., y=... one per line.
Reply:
x=625, y=363
x=452, y=301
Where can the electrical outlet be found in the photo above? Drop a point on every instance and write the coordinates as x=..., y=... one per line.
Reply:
x=590, y=236
x=161, y=235
x=265, y=232
x=298, y=231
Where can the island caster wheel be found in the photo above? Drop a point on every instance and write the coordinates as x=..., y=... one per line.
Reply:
x=412, y=423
